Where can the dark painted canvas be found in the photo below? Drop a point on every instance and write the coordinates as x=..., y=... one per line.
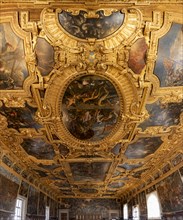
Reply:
x=7, y=161
x=138, y=173
x=8, y=194
x=178, y=159
x=38, y=148
x=62, y=184
x=116, y=149
x=41, y=173
x=9, y=175
x=127, y=166
x=142, y=204
x=90, y=108
x=169, y=64
x=32, y=205
x=67, y=192
x=95, y=171
x=88, y=190
x=137, y=56
x=130, y=214
x=49, y=167
x=181, y=171
x=45, y=56
x=13, y=70
x=20, y=117
x=170, y=192
x=116, y=184
x=82, y=27
x=63, y=149
x=52, y=208
x=24, y=187
x=42, y=204
x=163, y=114
x=143, y=147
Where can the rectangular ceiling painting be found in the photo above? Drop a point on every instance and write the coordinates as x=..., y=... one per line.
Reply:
x=95, y=171
x=13, y=69
x=169, y=64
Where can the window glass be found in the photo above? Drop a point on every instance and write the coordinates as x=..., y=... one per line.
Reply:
x=136, y=212
x=125, y=211
x=47, y=212
x=153, y=206
x=20, y=208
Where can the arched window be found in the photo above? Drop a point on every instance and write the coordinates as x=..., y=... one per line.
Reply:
x=125, y=211
x=135, y=212
x=153, y=206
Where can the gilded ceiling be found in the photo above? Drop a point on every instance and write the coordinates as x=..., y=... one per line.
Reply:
x=91, y=97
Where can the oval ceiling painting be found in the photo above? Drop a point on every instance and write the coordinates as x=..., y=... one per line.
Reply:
x=90, y=108
x=82, y=27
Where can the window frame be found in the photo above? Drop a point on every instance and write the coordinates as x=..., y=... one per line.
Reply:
x=23, y=208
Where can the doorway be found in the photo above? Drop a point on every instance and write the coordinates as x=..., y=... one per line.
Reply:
x=64, y=214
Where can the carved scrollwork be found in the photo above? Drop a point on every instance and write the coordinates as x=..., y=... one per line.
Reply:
x=13, y=101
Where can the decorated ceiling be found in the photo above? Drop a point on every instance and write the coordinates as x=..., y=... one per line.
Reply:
x=91, y=97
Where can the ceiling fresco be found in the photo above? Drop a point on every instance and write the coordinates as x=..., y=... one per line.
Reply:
x=90, y=108
x=20, y=117
x=84, y=26
x=89, y=171
x=91, y=98
x=143, y=147
x=44, y=55
x=161, y=114
x=38, y=148
x=169, y=62
x=13, y=69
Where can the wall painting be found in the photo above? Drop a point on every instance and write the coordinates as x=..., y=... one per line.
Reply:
x=170, y=191
x=24, y=187
x=8, y=194
x=32, y=205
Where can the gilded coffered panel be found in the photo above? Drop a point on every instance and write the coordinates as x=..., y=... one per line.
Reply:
x=91, y=108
